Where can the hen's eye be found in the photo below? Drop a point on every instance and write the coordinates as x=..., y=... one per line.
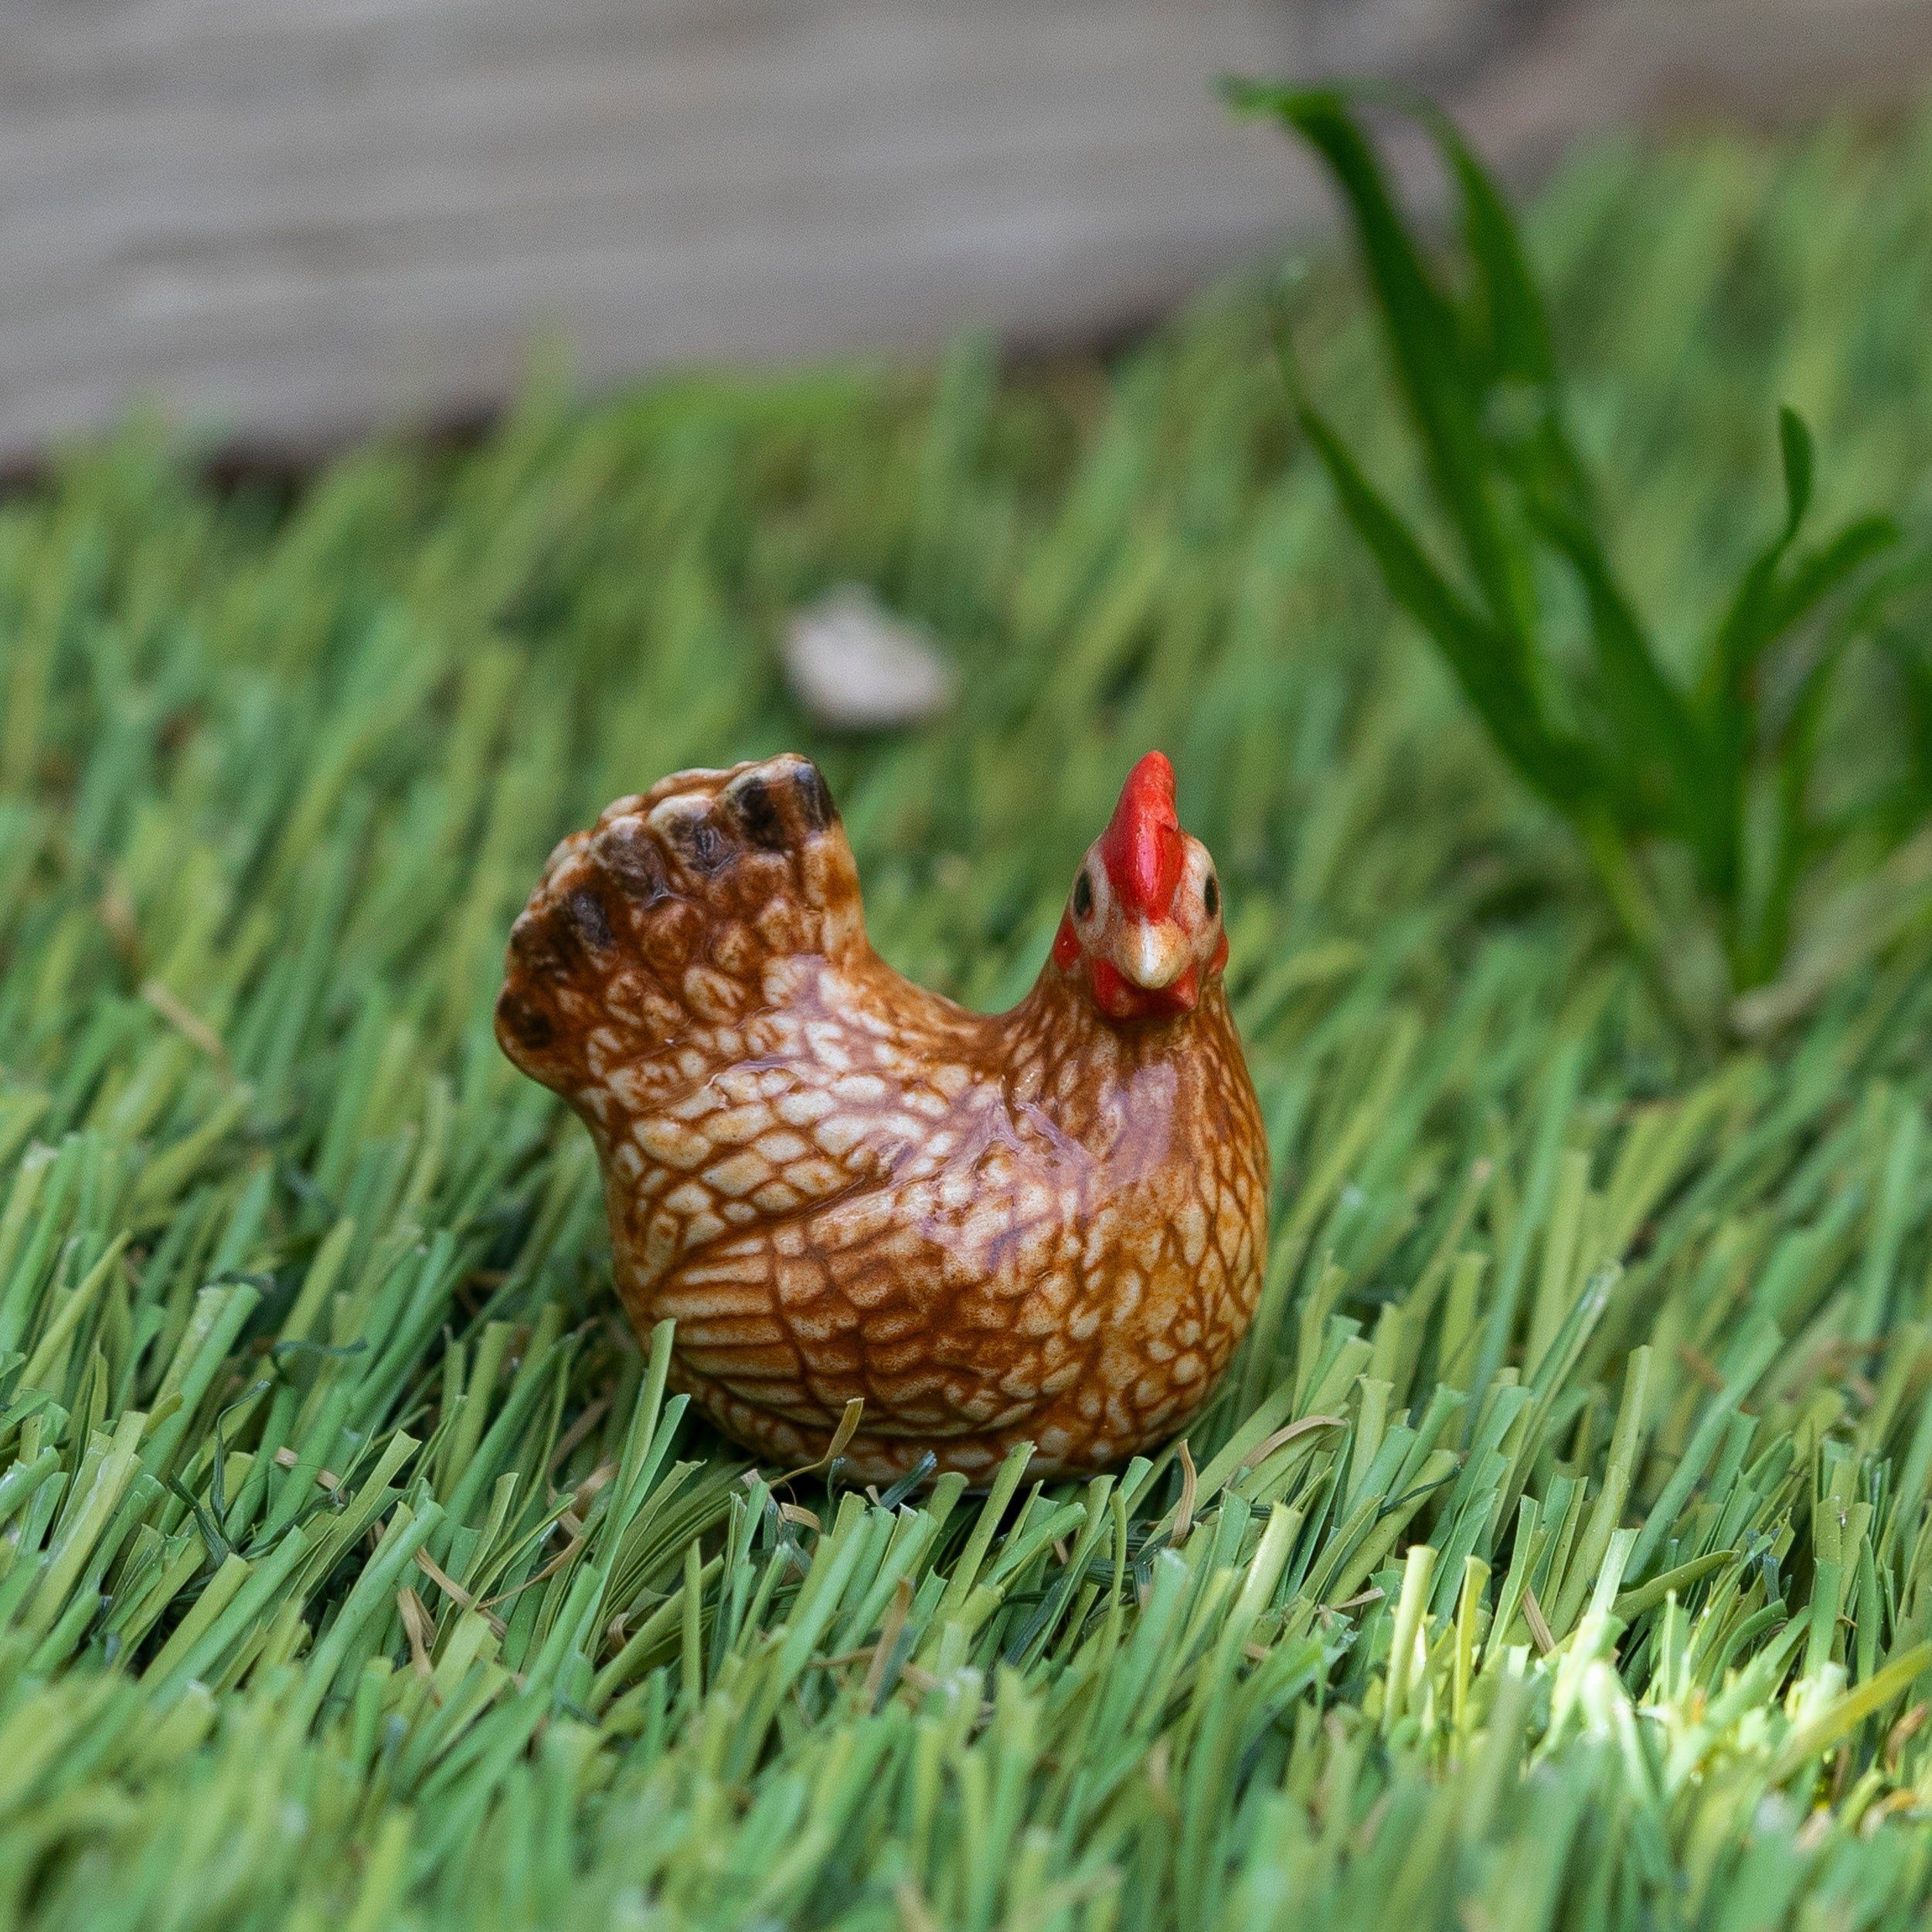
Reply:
x=1083, y=897
x=1211, y=896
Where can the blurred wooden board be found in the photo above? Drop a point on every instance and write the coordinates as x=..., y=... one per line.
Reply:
x=289, y=221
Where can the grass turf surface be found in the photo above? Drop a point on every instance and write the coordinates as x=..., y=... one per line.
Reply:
x=356, y=1573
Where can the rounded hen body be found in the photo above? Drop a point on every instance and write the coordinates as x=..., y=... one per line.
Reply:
x=1036, y=1227
x=1053, y=1240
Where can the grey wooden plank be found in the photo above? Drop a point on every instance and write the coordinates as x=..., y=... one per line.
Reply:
x=292, y=219
x=295, y=219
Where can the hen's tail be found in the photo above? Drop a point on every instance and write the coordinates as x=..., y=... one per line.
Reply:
x=674, y=917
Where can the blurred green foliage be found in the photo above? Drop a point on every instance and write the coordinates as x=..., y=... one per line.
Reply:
x=1721, y=765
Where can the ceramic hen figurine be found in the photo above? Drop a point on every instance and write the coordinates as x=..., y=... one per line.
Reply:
x=1046, y=1225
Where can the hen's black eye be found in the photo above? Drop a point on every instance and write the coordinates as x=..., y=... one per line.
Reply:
x=1083, y=897
x=1211, y=895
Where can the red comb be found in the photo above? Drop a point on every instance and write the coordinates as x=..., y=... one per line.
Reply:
x=1141, y=847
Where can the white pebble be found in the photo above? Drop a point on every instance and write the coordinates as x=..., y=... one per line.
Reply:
x=855, y=667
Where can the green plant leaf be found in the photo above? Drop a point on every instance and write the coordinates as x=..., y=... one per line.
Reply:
x=1762, y=608
x=1634, y=757
x=1794, y=446
x=1818, y=573
x=1660, y=761
x=1506, y=324
x=1561, y=770
x=1423, y=331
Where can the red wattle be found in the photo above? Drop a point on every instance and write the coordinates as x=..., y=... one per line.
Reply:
x=1118, y=997
x=1067, y=945
x=1111, y=992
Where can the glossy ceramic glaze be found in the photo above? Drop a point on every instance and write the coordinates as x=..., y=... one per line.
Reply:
x=1047, y=1225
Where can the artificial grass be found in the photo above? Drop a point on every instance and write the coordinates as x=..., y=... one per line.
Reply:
x=1557, y=1552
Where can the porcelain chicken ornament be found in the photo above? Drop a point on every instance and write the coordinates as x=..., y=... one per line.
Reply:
x=1044, y=1226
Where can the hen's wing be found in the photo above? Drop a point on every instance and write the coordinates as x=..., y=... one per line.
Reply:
x=692, y=975
x=655, y=934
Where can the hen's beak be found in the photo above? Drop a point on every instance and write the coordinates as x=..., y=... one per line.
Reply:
x=1153, y=953
x=1147, y=973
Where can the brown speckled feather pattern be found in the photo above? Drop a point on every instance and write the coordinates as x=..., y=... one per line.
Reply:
x=1039, y=1226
